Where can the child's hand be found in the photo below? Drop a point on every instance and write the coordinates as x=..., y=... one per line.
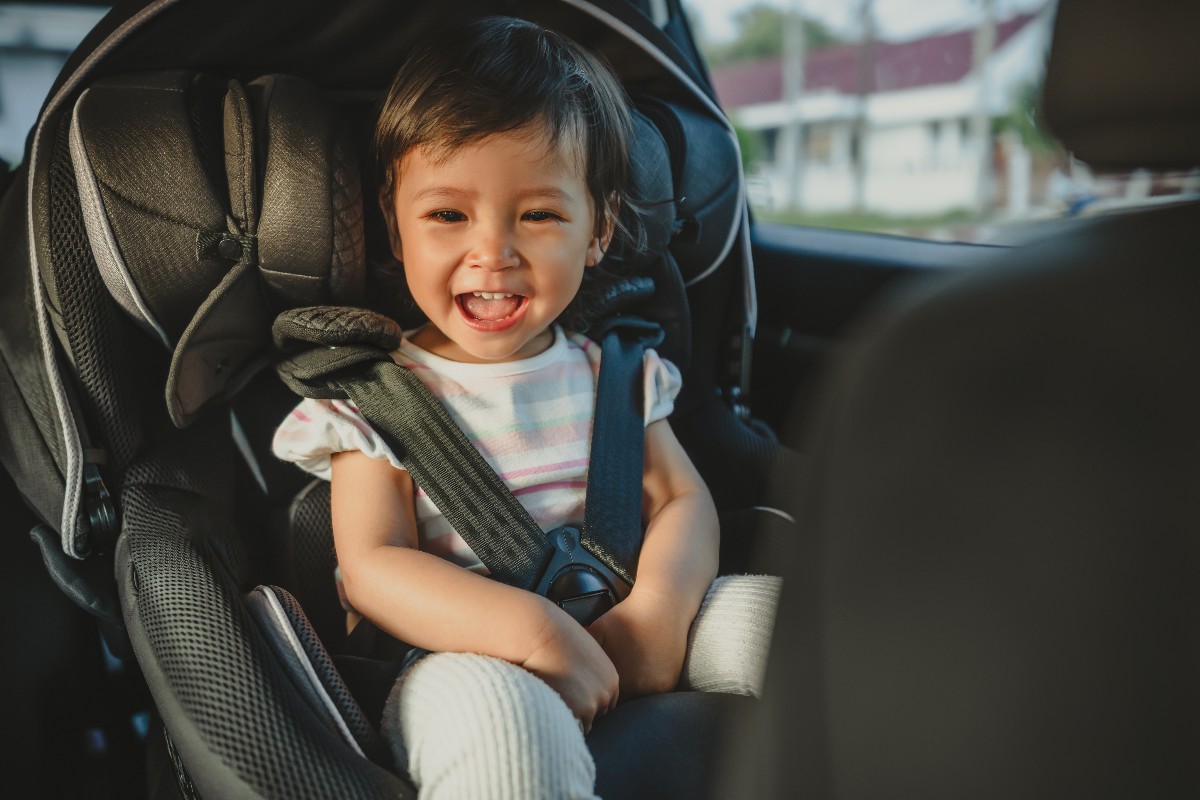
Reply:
x=575, y=666
x=646, y=641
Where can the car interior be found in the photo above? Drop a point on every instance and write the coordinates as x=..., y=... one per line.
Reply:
x=995, y=594
x=973, y=465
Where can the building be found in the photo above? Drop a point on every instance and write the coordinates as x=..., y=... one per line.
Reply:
x=898, y=128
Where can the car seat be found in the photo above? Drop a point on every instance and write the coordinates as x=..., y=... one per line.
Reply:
x=169, y=212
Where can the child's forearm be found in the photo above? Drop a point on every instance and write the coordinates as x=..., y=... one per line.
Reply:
x=679, y=554
x=430, y=603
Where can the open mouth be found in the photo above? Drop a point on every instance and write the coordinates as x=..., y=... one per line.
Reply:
x=491, y=309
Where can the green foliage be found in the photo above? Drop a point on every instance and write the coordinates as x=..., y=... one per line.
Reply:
x=751, y=144
x=760, y=35
x=1025, y=119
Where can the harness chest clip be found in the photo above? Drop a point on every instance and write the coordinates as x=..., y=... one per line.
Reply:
x=578, y=582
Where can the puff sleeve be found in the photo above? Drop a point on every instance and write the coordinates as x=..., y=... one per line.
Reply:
x=316, y=429
x=662, y=384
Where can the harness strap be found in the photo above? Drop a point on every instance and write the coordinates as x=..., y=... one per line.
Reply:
x=612, y=512
x=445, y=464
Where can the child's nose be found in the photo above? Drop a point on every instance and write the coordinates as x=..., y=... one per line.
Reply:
x=494, y=250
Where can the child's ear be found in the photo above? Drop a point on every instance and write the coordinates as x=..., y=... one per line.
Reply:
x=604, y=234
x=389, y=219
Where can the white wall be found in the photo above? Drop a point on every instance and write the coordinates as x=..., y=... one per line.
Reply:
x=919, y=161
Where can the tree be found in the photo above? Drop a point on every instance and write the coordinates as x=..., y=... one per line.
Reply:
x=760, y=35
x=1025, y=119
x=751, y=146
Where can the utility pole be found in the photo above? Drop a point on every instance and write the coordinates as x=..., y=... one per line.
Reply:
x=866, y=85
x=791, y=135
x=981, y=120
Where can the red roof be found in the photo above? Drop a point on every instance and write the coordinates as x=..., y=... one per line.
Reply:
x=934, y=60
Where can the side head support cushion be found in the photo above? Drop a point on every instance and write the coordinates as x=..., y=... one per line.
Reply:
x=211, y=205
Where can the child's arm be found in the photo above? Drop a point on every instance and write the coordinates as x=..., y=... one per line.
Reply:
x=645, y=635
x=431, y=603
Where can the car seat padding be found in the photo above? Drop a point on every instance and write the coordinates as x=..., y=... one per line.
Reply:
x=312, y=671
x=203, y=230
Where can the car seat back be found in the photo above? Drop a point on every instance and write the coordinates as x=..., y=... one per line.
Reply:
x=170, y=214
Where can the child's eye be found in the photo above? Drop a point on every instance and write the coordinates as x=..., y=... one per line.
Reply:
x=540, y=216
x=448, y=216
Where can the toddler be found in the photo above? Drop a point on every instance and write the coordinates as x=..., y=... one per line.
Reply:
x=504, y=153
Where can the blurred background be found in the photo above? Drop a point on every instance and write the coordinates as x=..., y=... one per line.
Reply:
x=917, y=117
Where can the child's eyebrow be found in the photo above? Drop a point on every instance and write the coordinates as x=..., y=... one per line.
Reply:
x=551, y=192
x=443, y=193
x=455, y=192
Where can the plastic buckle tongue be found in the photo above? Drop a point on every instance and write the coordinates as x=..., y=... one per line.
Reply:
x=578, y=582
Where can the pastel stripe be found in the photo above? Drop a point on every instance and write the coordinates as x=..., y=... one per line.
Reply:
x=546, y=487
x=509, y=477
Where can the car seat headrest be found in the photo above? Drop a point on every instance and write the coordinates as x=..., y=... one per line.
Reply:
x=686, y=206
x=209, y=207
x=311, y=233
x=650, y=219
x=1121, y=89
x=705, y=171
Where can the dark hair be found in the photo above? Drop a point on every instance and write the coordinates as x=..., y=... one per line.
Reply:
x=500, y=74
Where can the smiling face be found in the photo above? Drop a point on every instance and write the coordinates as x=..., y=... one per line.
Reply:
x=494, y=238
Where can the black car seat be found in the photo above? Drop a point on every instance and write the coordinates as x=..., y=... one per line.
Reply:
x=170, y=213
x=1000, y=597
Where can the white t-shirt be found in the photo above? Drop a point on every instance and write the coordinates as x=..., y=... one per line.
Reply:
x=531, y=420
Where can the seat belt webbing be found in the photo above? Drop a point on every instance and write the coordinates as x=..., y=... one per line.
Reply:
x=612, y=515
x=445, y=464
x=476, y=502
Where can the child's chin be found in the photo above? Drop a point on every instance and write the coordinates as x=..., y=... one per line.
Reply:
x=497, y=348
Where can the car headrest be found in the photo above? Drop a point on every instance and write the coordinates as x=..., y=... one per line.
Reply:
x=1121, y=89
x=212, y=205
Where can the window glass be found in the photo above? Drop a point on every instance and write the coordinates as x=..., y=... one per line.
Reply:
x=916, y=117
x=35, y=40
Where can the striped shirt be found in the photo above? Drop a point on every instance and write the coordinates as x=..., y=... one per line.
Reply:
x=531, y=419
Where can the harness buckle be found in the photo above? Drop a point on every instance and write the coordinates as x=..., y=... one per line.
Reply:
x=578, y=582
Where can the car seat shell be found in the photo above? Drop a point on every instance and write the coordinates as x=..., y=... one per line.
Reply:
x=181, y=561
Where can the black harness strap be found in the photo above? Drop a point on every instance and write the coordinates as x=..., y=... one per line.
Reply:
x=452, y=472
x=612, y=512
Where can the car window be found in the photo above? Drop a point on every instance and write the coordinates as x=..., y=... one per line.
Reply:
x=917, y=117
x=35, y=40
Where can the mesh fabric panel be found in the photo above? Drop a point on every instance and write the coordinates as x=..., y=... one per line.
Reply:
x=739, y=463
x=215, y=665
x=20, y=348
x=312, y=561
x=104, y=353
